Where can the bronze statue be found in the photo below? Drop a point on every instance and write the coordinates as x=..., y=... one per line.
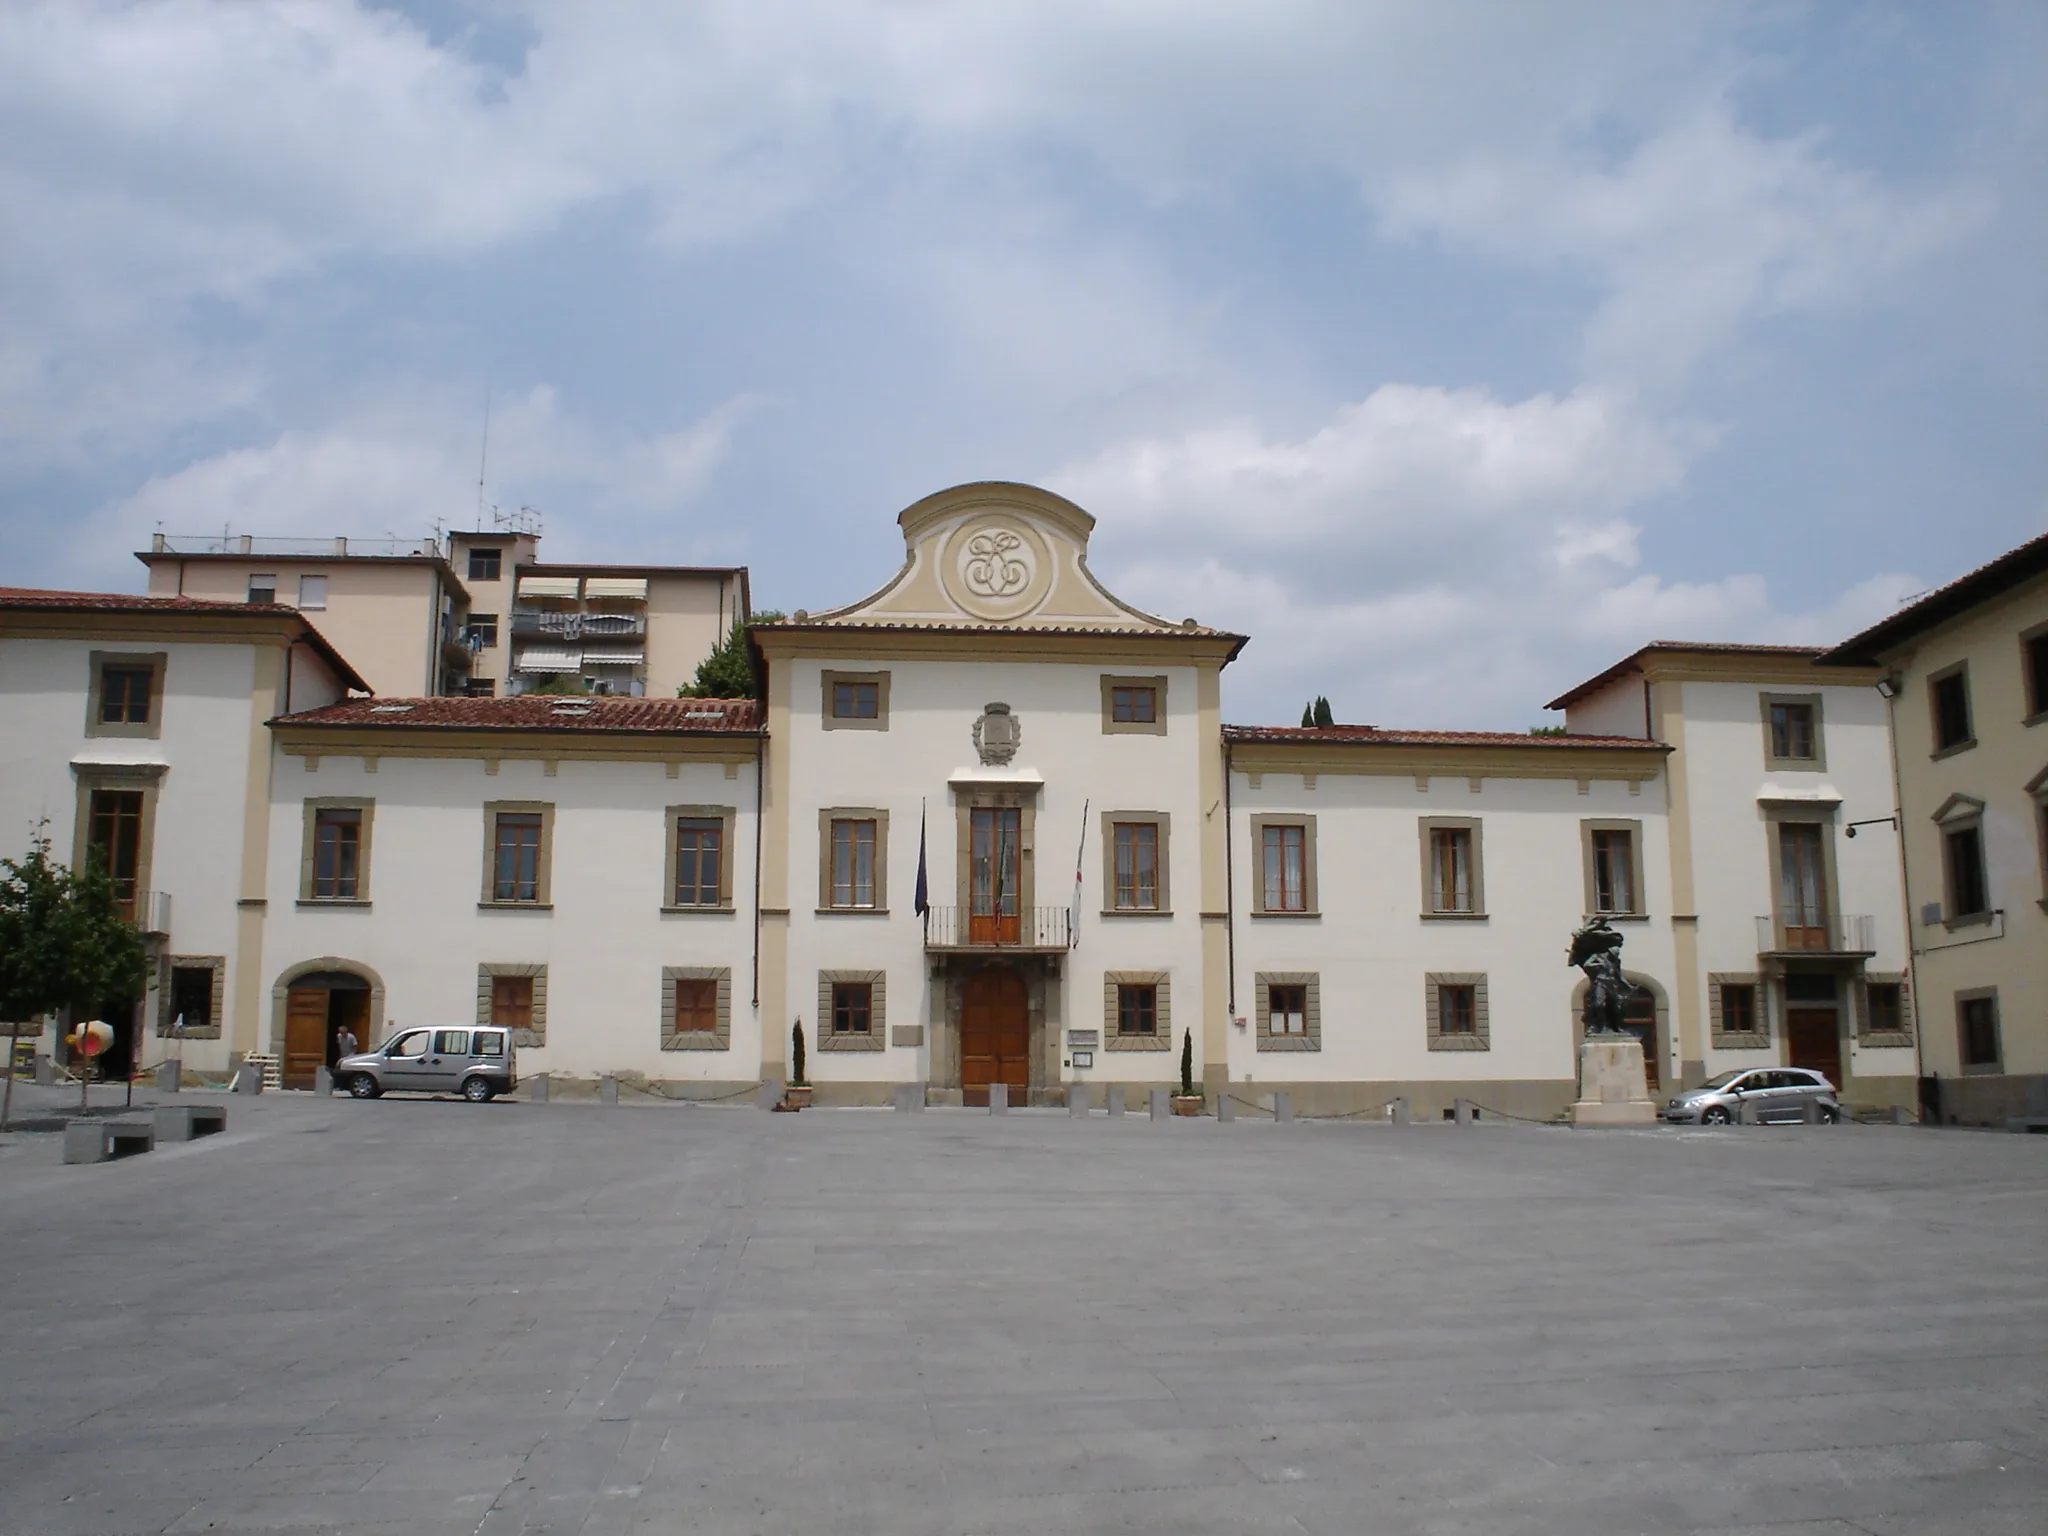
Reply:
x=1596, y=950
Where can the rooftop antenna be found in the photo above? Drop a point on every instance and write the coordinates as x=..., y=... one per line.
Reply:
x=483, y=457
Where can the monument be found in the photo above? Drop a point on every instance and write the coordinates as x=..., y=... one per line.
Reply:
x=1613, y=1087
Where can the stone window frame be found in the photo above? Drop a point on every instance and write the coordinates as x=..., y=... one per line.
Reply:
x=158, y=663
x=1968, y=739
x=969, y=798
x=1425, y=826
x=1634, y=827
x=536, y=1035
x=1725, y=1039
x=1310, y=895
x=308, y=848
x=1161, y=1039
x=1163, y=821
x=1773, y=763
x=145, y=779
x=880, y=818
x=2033, y=680
x=166, y=996
x=1311, y=1038
x=2037, y=790
x=1881, y=1039
x=673, y=1039
x=1995, y=1067
x=1776, y=816
x=877, y=1037
x=727, y=817
x=831, y=722
x=1156, y=726
x=544, y=876
x=1433, y=983
x=1961, y=813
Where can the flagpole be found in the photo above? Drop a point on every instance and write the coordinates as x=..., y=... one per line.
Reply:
x=1080, y=853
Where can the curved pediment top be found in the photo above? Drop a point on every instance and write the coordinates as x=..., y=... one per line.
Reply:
x=996, y=553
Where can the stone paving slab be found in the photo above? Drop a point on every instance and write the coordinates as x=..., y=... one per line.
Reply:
x=425, y=1317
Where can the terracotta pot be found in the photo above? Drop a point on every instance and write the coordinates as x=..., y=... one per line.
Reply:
x=1191, y=1105
x=797, y=1096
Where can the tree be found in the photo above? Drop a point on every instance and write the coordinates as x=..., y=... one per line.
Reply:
x=1549, y=730
x=1323, y=715
x=1308, y=717
x=1187, y=1064
x=728, y=672
x=796, y=1054
x=63, y=945
x=561, y=682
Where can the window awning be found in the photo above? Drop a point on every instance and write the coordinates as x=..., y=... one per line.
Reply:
x=547, y=586
x=615, y=586
x=550, y=658
x=614, y=658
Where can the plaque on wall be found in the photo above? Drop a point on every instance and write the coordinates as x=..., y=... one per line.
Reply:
x=1083, y=1039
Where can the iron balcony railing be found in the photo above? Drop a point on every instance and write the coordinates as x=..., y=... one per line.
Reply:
x=288, y=549
x=1033, y=928
x=1817, y=933
x=560, y=625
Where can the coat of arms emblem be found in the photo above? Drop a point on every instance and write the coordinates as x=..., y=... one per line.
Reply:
x=997, y=734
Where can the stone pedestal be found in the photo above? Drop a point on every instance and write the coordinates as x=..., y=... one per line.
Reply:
x=1613, y=1087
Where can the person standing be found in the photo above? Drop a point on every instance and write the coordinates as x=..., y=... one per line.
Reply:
x=345, y=1043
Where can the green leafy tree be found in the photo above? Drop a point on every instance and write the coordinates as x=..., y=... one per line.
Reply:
x=63, y=946
x=1187, y=1063
x=1549, y=730
x=796, y=1055
x=561, y=682
x=728, y=672
x=1323, y=715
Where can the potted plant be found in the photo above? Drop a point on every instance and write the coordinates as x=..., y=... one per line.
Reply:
x=1189, y=1100
x=798, y=1094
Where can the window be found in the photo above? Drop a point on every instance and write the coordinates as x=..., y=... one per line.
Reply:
x=1288, y=1012
x=1792, y=731
x=411, y=1045
x=1977, y=1023
x=852, y=1011
x=856, y=701
x=1457, y=1011
x=1451, y=867
x=1137, y=1009
x=518, y=853
x=337, y=851
x=1963, y=853
x=488, y=1042
x=190, y=1007
x=1135, y=854
x=700, y=859
x=263, y=589
x=1735, y=1012
x=115, y=837
x=451, y=1042
x=1613, y=873
x=1284, y=877
x=1803, y=918
x=514, y=997
x=1738, y=1010
x=1884, y=1010
x=480, y=688
x=125, y=694
x=1948, y=694
x=313, y=592
x=486, y=564
x=1134, y=706
x=483, y=630
x=2034, y=666
x=853, y=860
x=696, y=1005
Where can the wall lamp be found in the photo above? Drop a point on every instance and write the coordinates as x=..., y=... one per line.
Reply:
x=1874, y=821
x=1888, y=686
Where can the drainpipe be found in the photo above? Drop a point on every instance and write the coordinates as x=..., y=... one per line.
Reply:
x=1229, y=884
x=1891, y=720
x=760, y=781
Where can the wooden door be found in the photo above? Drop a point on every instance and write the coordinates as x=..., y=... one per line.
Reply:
x=305, y=1034
x=995, y=1031
x=992, y=914
x=1639, y=1018
x=1802, y=886
x=1815, y=1039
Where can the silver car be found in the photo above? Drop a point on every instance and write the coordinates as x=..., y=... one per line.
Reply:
x=1774, y=1094
x=479, y=1064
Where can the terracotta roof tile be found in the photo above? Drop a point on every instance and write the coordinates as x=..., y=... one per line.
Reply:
x=1633, y=661
x=540, y=712
x=1373, y=736
x=1945, y=602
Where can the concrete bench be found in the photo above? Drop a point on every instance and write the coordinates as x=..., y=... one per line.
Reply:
x=188, y=1122
x=100, y=1141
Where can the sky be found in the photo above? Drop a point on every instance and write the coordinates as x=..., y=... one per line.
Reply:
x=1449, y=349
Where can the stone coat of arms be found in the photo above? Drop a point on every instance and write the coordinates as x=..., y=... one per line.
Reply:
x=997, y=735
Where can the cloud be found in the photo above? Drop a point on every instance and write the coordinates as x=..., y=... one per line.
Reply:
x=1440, y=554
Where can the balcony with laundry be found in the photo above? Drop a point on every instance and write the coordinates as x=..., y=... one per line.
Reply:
x=589, y=627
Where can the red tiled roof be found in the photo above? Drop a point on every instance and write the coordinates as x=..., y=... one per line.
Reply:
x=1373, y=736
x=1942, y=604
x=1633, y=662
x=541, y=712
x=35, y=599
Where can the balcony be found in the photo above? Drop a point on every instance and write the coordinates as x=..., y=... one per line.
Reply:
x=1845, y=935
x=567, y=624
x=1034, y=931
x=148, y=910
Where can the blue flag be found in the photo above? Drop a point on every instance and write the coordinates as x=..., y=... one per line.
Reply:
x=920, y=904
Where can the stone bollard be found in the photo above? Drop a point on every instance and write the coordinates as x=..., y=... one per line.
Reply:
x=607, y=1089
x=323, y=1081
x=1463, y=1111
x=1746, y=1113
x=999, y=1098
x=1115, y=1104
x=537, y=1088
x=170, y=1076
x=909, y=1098
x=1283, y=1106
x=1226, y=1108
x=1901, y=1115
x=1812, y=1115
x=1077, y=1100
x=1400, y=1109
x=46, y=1071
x=249, y=1078
x=1160, y=1109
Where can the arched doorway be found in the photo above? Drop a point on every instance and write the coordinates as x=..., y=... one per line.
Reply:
x=1646, y=1016
x=995, y=1035
x=311, y=1005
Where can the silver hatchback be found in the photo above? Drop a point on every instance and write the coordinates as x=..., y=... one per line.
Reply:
x=479, y=1064
x=1770, y=1094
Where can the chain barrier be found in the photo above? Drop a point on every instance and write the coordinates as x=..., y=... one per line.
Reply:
x=681, y=1098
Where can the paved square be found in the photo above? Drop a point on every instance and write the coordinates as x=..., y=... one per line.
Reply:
x=436, y=1317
